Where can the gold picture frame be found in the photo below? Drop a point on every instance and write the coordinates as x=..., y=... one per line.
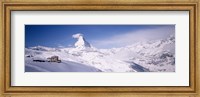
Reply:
x=123, y=5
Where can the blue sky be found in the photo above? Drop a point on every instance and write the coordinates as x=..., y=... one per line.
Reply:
x=100, y=36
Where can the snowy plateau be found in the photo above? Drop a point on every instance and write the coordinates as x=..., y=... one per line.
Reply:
x=146, y=56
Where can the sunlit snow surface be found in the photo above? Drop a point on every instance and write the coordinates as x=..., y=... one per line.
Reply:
x=151, y=56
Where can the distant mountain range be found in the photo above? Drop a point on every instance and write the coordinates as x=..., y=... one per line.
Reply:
x=149, y=56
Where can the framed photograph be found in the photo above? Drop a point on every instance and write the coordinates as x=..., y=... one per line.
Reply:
x=100, y=48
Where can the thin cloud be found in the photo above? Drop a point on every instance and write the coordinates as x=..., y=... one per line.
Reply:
x=132, y=37
x=77, y=35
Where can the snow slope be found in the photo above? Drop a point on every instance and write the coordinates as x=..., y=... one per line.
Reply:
x=65, y=66
x=150, y=56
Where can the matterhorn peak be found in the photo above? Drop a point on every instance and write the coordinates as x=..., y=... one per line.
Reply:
x=81, y=42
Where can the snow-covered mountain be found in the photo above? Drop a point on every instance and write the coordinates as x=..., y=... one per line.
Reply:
x=81, y=42
x=149, y=56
